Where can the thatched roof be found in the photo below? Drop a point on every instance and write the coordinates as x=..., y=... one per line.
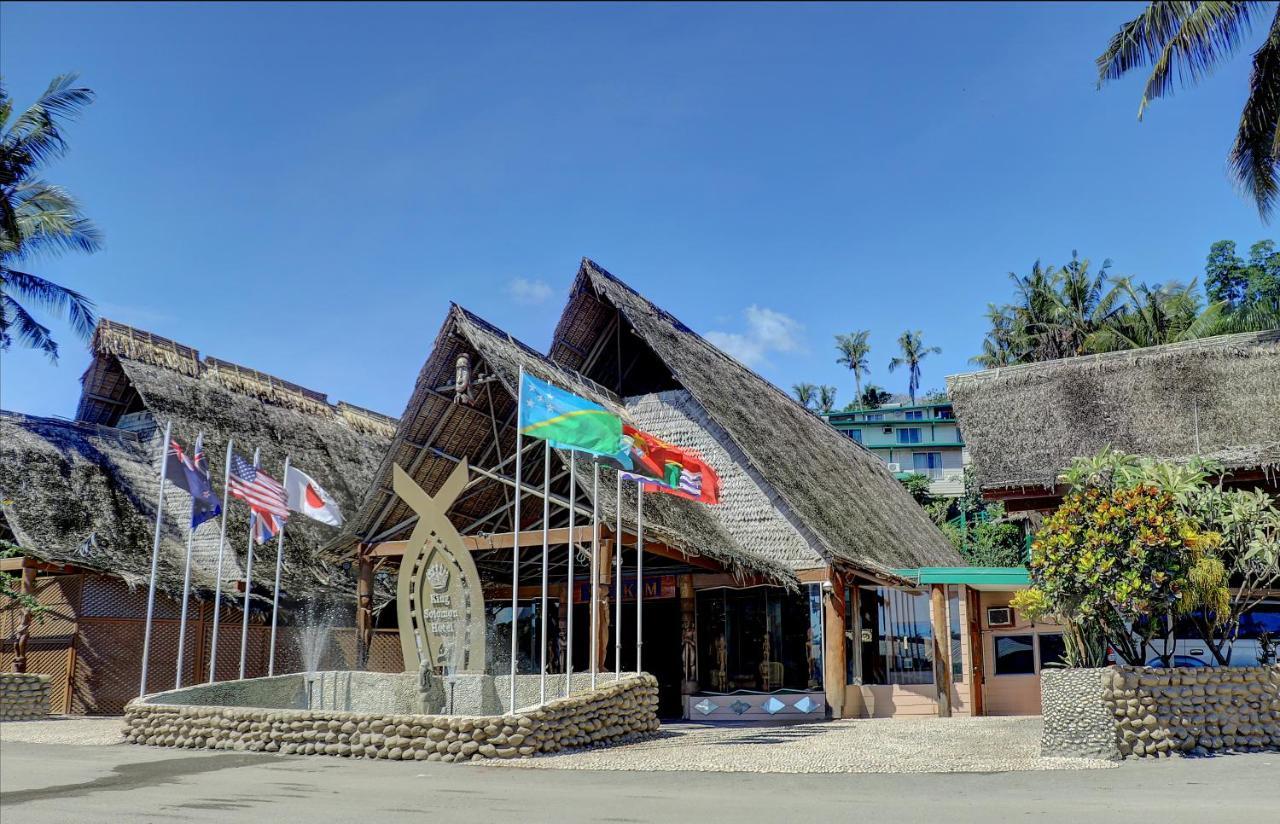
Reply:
x=1216, y=397
x=70, y=481
x=434, y=430
x=838, y=497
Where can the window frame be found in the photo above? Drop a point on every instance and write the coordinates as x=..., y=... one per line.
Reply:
x=901, y=435
x=1036, y=659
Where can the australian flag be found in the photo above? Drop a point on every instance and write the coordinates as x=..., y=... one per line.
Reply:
x=190, y=473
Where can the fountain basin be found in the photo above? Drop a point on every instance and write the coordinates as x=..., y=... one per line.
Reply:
x=374, y=715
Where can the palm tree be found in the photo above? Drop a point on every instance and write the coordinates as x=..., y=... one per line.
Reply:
x=873, y=397
x=826, y=399
x=806, y=394
x=1155, y=315
x=855, y=355
x=913, y=351
x=39, y=218
x=1188, y=40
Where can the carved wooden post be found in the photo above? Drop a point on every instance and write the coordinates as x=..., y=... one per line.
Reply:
x=364, y=611
x=27, y=587
x=941, y=648
x=603, y=636
x=688, y=636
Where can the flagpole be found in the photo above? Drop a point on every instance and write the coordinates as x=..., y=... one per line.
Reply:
x=617, y=631
x=248, y=581
x=595, y=571
x=275, y=595
x=222, y=540
x=546, y=514
x=186, y=577
x=155, y=560
x=639, y=572
x=515, y=545
x=573, y=550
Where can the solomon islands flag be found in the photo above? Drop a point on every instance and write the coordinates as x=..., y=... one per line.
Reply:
x=567, y=421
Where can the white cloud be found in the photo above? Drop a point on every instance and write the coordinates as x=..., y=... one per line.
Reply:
x=767, y=331
x=523, y=290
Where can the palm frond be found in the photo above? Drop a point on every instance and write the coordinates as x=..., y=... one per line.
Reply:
x=1255, y=154
x=18, y=322
x=35, y=137
x=79, y=309
x=1207, y=34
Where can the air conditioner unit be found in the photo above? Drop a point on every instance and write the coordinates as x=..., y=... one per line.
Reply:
x=999, y=616
x=888, y=430
x=894, y=467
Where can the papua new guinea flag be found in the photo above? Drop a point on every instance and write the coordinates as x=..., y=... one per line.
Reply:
x=567, y=421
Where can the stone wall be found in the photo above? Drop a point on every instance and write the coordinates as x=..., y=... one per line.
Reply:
x=24, y=696
x=614, y=712
x=1153, y=712
x=1078, y=723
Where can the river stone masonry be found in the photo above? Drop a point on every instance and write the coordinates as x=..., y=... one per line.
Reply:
x=610, y=714
x=24, y=696
x=1078, y=723
x=1154, y=712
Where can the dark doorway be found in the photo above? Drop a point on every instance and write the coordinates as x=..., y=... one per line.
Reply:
x=661, y=655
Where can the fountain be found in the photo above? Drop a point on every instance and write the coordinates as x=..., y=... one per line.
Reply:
x=318, y=620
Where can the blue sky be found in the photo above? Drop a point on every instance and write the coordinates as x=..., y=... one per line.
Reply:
x=303, y=189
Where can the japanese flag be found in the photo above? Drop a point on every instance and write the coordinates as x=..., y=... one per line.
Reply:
x=309, y=498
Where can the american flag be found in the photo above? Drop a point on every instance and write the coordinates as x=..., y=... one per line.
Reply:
x=264, y=495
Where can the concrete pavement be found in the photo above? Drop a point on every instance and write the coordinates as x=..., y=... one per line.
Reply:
x=121, y=783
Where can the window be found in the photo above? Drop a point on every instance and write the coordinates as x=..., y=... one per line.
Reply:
x=894, y=636
x=909, y=434
x=953, y=619
x=946, y=413
x=1015, y=654
x=1052, y=650
x=1028, y=654
x=927, y=463
x=875, y=416
x=856, y=435
x=914, y=415
x=759, y=639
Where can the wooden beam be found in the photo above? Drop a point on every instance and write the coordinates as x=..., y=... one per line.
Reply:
x=500, y=540
x=555, y=537
x=941, y=648
x=833, y=664
x=977, y=666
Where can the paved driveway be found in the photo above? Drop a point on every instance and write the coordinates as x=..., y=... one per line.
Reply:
x=121, y=783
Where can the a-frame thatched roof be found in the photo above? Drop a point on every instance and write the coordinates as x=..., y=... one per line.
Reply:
x=85, y=492
x=436, y=432
x=838, y=498
x=1217, y=398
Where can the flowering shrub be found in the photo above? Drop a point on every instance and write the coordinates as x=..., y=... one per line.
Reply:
x=1112, y=560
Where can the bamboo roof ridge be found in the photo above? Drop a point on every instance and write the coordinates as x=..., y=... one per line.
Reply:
x=846, y=503
x=139, y=381
x=1217, y=398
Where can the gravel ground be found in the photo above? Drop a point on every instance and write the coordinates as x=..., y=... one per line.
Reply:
x=890, y=745
x=64, y=729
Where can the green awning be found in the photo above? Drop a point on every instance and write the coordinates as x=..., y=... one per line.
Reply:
x=1008, y=577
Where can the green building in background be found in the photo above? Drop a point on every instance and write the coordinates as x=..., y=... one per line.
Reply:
x=923, y=438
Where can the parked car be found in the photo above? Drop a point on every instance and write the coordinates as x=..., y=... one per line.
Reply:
x=1179, y=661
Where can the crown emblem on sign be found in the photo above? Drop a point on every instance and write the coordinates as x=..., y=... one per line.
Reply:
x=438, y=576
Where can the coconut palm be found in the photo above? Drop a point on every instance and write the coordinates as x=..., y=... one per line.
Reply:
x=873, y=397
x=913, y=351
x=826, y=399
x=1188, y=40
x=38, y=218
x=1155, y=315
x=855, y=355
x=806, y=394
